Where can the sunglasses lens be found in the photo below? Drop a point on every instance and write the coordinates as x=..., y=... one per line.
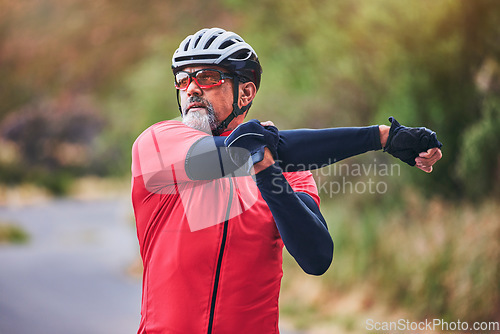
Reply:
x=208, y=78
x=182, y=80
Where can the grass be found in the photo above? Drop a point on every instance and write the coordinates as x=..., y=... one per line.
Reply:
x=425, y=258
x=12, y=234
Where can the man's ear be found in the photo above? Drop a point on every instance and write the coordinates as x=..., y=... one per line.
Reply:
x=247, y=93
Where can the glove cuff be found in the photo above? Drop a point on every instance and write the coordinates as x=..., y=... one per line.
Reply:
x=392, y=131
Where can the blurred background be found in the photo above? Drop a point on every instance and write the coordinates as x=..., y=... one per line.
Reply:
x=82, y=79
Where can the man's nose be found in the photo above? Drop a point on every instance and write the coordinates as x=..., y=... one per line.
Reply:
x=193, y=88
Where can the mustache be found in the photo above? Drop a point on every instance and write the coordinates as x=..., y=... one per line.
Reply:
x=197, y=99
x=203, y=102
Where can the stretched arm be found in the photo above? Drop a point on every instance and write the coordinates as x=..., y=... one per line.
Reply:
x=297, y=150
x=308, y=149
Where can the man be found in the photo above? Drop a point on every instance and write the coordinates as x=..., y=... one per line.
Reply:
x=215, y=199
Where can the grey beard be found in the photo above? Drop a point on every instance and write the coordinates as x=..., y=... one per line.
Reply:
x=205, y=122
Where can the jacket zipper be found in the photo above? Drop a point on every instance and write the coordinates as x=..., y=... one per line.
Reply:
x=219, y=261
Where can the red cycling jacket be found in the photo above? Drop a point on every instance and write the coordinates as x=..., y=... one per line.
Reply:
x=211, y=251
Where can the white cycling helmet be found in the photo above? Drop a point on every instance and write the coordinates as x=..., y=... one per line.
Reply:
x=222, y=48
x=219, y=47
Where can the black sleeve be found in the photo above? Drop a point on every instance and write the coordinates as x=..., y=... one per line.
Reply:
x=299, y=221
x=307, y=149
x=302, y=149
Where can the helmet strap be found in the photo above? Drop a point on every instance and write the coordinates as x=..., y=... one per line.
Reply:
x=237, y=111
x=179, y=102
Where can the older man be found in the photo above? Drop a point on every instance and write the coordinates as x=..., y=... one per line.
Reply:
x=216, y=199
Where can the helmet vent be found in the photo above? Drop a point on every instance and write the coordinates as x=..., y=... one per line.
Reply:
x=242, y=55
x=226, y=44
x=200, y=57
x=197, y=41
x=210, y=41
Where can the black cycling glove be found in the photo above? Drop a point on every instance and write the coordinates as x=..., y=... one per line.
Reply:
x=249, y=140
x=406, y=143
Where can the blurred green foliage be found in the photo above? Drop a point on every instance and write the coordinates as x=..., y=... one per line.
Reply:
x=342, y=63
x=430, y=258
x=479, y=159
x=11, y=233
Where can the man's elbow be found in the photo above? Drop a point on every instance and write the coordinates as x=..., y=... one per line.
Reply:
x=318, y=265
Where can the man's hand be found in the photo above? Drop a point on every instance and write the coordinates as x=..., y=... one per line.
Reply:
x=415, y=146
x=253, y=143
x=425, y=160
x=264, y=163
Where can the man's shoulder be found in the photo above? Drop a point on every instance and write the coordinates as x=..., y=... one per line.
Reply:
x=163, y=125
x=167, y=134
x=167, y=124
x=173, y=127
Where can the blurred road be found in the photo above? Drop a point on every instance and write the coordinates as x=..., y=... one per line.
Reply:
x=71, y=277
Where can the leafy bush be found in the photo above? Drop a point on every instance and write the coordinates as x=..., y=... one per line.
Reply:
x=10, y=233
x=479, y=159
x=431, y=257
x=52, y=142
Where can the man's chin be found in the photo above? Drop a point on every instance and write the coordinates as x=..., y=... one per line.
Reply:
x=198, y=119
